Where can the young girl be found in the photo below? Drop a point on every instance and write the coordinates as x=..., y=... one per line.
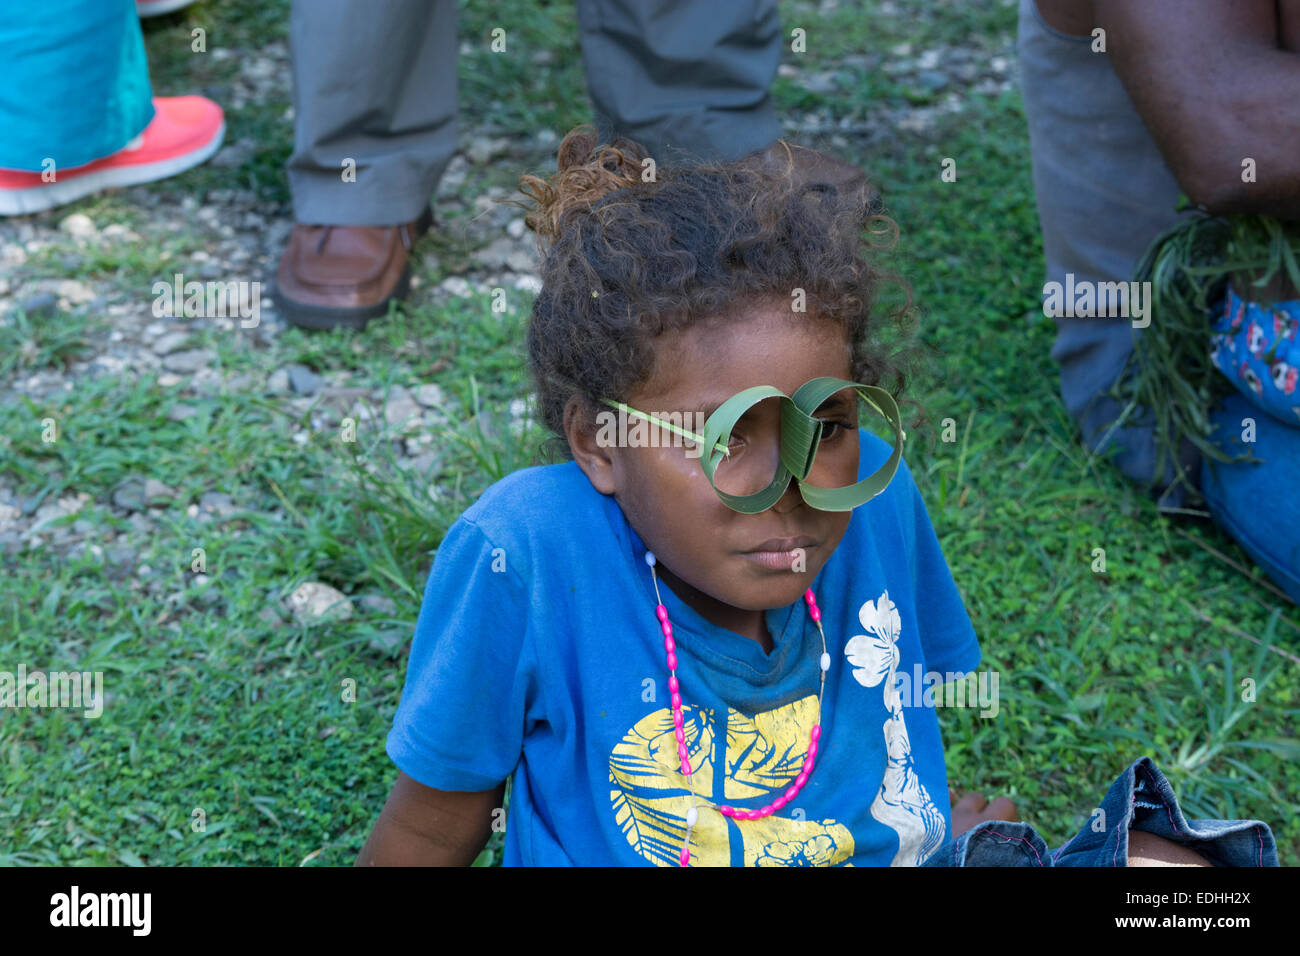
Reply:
x=675, y=673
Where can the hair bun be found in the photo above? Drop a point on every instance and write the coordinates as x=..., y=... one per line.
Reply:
x=585, y=171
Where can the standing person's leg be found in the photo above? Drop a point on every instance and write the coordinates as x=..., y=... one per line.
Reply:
x=683, y=75
x=78, y=113
x=77, y=110
x=374, y=129
x=690, y=81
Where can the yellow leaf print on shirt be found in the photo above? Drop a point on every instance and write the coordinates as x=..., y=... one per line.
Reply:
x=651, y=796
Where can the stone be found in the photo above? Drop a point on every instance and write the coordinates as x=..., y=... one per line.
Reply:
x=430, y=396
x=169, y=342
x=140, y=524
x=932, y=80
x=390, y=641
x=129, y=494
x=136, y=493
x=314, y=603
x=303, y=380
x=41, y=304
x=277, y=383
x=108, y=363
x=379, y=604
x=77, y=293
x=483, y=148
x=496, y=254
x=206, y=594
x=45, y=515
x=180, y=412
x=916, y=121
x=400, y=410
x=78, y=224
x=11, y=253
x=523, y=258
x=452, y=180
x=820, y=82
x=455, y=285
x=339, y=398
x=156, y=493
x=121, y=555
x=218, y=502
x=188, y=362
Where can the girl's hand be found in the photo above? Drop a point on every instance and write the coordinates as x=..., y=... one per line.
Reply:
x=974, y=809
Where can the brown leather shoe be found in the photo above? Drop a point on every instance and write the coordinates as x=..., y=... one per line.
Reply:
x=332, y=276
x=811, y=166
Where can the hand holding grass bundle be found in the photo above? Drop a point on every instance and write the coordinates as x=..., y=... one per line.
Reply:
x=1172, y=373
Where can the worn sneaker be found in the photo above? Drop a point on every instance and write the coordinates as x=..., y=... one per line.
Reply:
x=185, y=131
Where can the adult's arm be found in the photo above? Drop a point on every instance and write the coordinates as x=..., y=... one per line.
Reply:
x=1214, y=84
x=1288, y=12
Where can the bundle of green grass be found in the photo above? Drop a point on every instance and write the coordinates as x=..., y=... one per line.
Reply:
x=1170, y=379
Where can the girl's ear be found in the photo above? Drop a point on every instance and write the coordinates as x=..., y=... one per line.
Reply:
x=590, y=451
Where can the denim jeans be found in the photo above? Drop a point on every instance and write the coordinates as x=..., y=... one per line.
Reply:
x=1141, y=799
x=1253, y=501
x=1256, y=348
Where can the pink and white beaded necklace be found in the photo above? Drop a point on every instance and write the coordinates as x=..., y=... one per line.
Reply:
x=735, y=813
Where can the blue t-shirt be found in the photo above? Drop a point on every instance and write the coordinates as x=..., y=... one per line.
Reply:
x=537, y=653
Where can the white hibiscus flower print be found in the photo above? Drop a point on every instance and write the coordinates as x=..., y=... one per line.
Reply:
x=903, y=803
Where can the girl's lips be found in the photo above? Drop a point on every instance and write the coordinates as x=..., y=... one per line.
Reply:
x=777, y=560
x=787, y=544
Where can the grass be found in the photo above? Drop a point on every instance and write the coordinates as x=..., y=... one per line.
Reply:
x=234, y=736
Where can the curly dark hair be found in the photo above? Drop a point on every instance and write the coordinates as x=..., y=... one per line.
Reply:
x=629, y=260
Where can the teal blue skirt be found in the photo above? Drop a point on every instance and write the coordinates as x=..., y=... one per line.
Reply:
x=74, y=86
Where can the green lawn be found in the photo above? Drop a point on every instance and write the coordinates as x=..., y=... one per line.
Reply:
x=219, y=707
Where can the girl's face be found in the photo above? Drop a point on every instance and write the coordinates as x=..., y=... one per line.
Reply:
x=706, y=552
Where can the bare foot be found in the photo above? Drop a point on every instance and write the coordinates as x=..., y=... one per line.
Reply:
x=1147, y=849
x=973, y=809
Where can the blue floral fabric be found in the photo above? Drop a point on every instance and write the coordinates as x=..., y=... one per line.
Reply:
x=1256, y=346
